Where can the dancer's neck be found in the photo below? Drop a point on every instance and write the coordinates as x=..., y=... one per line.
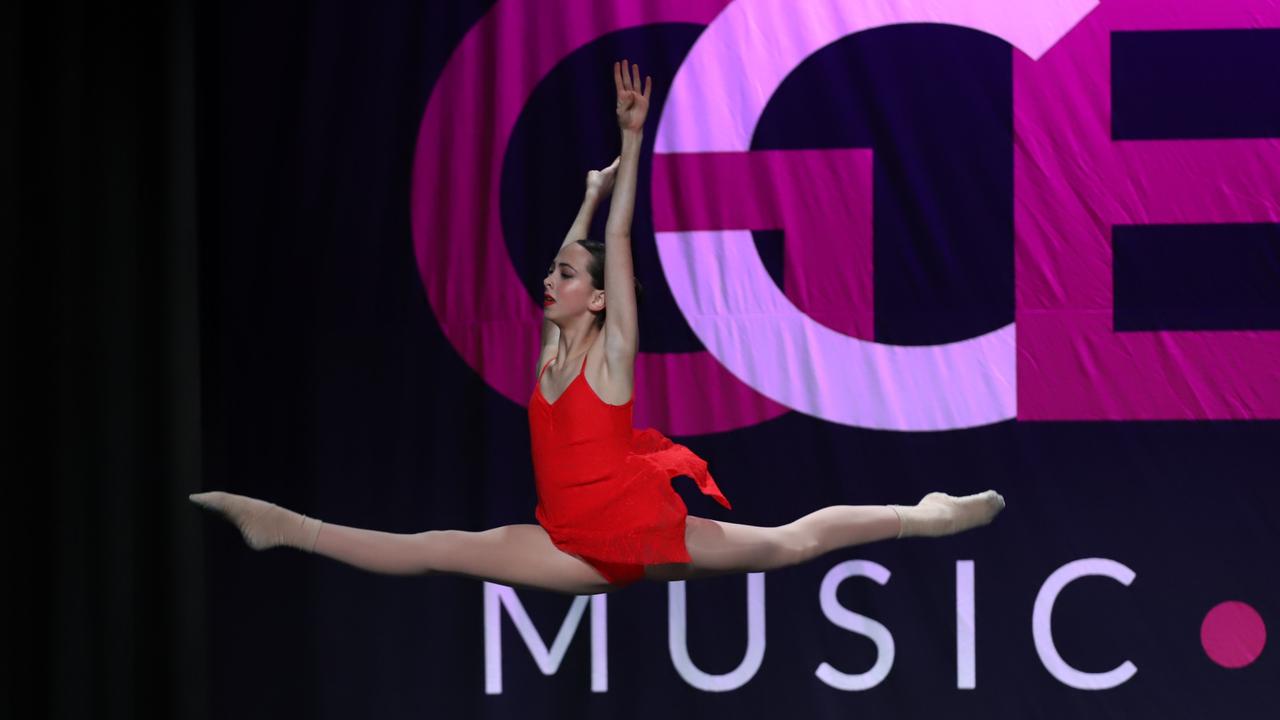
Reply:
x=574, y=343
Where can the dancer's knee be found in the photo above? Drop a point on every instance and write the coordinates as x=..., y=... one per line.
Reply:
x=441, y=551
x=797, y=544
x=784, y=546
x=728, y=547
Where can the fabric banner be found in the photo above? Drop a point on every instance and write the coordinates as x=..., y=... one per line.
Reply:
x=887, y=248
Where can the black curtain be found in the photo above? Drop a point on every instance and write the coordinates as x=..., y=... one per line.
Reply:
x=102, y=378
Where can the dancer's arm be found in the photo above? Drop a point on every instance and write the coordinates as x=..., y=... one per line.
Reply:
x=599, y=185
x=622, y=336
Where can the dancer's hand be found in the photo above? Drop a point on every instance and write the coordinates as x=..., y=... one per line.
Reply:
x=633, y=105
x=600, y=182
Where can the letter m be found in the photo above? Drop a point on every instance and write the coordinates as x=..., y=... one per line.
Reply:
x=548, y=659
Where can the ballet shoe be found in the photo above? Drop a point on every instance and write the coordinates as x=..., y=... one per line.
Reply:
x=262, y=524
x=938, y=514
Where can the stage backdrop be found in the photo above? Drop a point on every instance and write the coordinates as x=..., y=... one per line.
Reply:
x=888, y=248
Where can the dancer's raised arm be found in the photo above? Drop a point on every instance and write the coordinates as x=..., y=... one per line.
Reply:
x=599, y=185
x=622, y=336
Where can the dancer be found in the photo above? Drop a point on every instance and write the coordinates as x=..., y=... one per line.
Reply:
x=607, y=514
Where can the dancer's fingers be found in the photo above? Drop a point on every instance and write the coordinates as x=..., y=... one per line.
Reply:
x=635, y=78
x=617, y=77
x=648, y=85
x=626, y=75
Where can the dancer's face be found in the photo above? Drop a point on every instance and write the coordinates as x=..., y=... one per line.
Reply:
x=567, y=286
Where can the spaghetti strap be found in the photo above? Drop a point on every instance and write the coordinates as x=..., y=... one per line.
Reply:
x=581, y=370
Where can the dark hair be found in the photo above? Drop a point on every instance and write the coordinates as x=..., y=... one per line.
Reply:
x=596, y=270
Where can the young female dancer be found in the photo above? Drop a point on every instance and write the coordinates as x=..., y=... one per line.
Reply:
x=607, y=514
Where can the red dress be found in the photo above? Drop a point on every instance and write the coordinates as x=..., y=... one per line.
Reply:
x=604, y=488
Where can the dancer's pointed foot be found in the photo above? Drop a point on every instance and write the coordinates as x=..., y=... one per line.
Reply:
x=262, y=524
x=939, y=514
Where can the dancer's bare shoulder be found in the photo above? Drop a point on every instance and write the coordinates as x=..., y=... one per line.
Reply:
x=544, y=357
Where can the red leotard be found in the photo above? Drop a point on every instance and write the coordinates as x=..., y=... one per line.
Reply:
x=604, y=488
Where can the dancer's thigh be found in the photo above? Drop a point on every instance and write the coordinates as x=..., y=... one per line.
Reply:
x=718, y=548
x=518, y=555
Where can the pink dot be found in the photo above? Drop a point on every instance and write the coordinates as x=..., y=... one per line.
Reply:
x=1233, y=634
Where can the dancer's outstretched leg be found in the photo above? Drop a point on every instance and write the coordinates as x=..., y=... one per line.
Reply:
x=717, y=548
x=511, y=555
